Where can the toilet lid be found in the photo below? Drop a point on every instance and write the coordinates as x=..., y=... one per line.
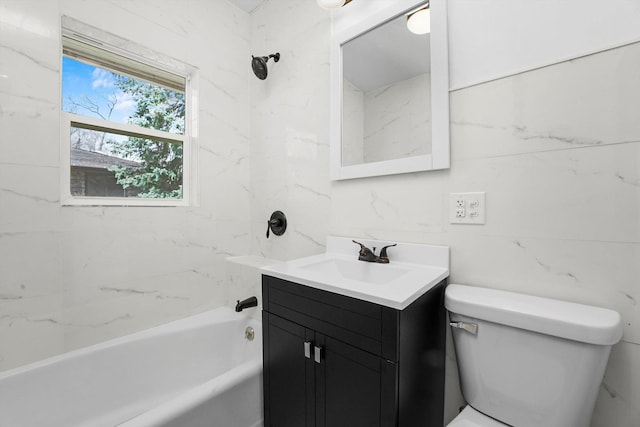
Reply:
x=469, y=417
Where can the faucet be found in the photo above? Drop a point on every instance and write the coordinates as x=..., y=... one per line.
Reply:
x=246, y=303
x=369, y=255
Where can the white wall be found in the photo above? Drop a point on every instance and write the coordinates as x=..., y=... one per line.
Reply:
x=557, y=151
x=490, y=39
x=73, y=276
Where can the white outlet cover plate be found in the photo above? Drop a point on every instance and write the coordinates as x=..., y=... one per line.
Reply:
x=474, y=208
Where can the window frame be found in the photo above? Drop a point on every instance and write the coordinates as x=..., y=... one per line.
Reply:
x=100, y=40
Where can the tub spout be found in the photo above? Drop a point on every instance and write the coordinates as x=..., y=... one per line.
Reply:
x=246, y=303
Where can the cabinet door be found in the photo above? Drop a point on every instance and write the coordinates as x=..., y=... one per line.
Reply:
x=288, y=375
x=354, y=388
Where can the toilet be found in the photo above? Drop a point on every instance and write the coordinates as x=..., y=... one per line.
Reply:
x=527, y=361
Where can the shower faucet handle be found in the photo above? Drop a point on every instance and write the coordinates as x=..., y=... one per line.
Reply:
x=277, y=223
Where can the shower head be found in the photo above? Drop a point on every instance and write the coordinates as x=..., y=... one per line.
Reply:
x=259, y=64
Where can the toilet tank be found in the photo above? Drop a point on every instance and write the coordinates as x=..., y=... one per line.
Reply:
x=532, y=361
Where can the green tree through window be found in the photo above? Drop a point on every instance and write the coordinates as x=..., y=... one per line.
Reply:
x=161, y=171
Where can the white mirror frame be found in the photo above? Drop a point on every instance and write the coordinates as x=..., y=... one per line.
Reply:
x=439, y=157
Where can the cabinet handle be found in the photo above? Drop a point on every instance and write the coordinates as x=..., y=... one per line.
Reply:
x=307, y=349
x=317, y=352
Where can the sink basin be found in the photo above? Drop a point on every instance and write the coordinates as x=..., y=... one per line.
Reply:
x=367, y=272
x=412, y=271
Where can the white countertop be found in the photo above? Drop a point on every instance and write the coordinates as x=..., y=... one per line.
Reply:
x=412, y=271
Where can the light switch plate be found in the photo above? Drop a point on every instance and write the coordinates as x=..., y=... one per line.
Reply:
x=467, y=208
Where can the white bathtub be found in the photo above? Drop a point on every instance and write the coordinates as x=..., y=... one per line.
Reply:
x=198, y=371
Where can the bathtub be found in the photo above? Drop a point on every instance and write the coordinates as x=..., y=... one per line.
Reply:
x=198, y=371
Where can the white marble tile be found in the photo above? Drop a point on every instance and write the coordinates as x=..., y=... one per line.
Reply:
x=30, y=265
x=173, y=16
x=17, y=115
x=96, y=258
x=582, y=194
x=29, y=198
x=411, y=203
x=618, y=402
x=236, y=22
x=139, y=304
x=31, y=317
x=29, y=63
x=37, y=18
x=575, y=104
x=28, y=337
x=397, y=120
x=29, y=67
x=163, y=31
x=353, y=126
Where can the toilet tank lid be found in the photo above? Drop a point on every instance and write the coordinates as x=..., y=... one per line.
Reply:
x=578, y=322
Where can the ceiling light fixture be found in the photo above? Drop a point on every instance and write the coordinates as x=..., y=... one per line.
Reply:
x=332, y=4
x=419, y=22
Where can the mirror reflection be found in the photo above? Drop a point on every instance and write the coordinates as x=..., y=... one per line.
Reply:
x=386, y=107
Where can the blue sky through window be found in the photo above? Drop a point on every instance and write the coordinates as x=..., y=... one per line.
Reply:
x=82, y=82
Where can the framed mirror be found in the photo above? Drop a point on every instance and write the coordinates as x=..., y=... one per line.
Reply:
x=390, y=94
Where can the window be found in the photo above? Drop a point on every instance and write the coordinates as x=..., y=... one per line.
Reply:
x=126, y=132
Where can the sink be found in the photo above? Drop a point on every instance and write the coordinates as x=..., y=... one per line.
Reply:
x=412, y=271
x=367, y=272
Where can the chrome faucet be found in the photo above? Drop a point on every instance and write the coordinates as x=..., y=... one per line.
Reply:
x=369, y=255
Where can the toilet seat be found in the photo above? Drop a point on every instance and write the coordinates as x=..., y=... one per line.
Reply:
x=469, y=417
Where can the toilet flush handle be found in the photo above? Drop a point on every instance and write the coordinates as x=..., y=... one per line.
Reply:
x=469, y=327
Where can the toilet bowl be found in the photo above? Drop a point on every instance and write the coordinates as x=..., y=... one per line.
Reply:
x=527, y=361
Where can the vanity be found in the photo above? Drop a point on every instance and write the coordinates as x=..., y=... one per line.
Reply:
x=353, y=343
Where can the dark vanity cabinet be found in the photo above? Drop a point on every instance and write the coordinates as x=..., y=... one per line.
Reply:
x=336, y=361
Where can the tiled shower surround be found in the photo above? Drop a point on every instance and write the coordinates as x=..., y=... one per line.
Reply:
x=73, y=276
x=556, y=149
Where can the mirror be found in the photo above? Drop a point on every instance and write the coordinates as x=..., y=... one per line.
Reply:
x=386, y=114
x=390, y=95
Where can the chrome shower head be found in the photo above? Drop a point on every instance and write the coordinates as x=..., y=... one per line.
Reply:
x=259, y=64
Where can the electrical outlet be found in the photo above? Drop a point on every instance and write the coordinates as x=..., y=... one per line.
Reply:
x=467, y=208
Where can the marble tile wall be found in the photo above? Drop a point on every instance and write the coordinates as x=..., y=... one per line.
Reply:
x=73, y=276
x=398, y=120
x=557, y=151
x=353, y=128
x=385, y=123
x=289, y=128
